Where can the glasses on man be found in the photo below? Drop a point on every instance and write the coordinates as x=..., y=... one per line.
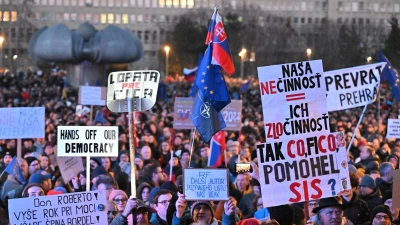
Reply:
x=379, y=217
x=122, y=200
x=165, y=202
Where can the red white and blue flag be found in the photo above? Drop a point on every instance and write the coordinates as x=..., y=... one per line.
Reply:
x=221, y=54
x=217, y=147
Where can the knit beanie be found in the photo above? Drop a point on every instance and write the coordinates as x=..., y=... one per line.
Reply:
x=380, y=209
x=30, y=159
x=115, y=193
x=368, y=181
x=387, y=195
x=57, y=191
x=98, y=171
x=169, y=185
x=38, y=177
x=209, y=204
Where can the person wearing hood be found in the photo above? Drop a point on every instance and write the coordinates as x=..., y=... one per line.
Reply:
x=143, y=192
x=369, y=192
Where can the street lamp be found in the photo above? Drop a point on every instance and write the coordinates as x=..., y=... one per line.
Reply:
x=166, y=48
x=1, y=52
x=309, y=52
x=369, y=59
x=242, y=55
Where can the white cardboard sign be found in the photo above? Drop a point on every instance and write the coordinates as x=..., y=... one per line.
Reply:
x=393, y=128
x=206, y=184
x=100, y=141
x=74, y=208
x=69, y=166
x=90, y=95
x=22, y=122
x=352, y=87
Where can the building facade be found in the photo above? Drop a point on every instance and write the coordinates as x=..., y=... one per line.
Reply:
x=151, y=20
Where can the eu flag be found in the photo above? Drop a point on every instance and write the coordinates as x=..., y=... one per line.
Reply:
x=391, y=75
x=211, y=82
x=14, y=170
x=205, y=118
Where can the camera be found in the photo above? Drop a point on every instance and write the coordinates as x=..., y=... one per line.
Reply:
x=243, y=168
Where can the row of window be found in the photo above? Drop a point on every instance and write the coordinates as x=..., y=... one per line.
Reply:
x=368, y=7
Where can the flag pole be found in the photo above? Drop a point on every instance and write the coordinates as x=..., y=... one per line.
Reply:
x=191, y=149
x=355, y=129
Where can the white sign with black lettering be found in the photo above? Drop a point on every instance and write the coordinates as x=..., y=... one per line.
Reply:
x=393, y=128
x=130, y=91
x=74, y=208
x=206, y=184
x=100, y=141
x=352, y=87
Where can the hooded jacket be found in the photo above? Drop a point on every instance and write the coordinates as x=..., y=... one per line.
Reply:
x=374, y=199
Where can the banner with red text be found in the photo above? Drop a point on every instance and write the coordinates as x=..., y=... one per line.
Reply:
x=301, y=169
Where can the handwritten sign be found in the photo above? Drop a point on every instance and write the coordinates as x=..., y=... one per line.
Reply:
x=130, y=91
x=98, y=141
x=69, y=166
x=206, y=184
x=183, y=111
x=89, y=95
x=393, y=128
x=26, y=122
x=298, y=170
x=352, y=87
x=74, y=208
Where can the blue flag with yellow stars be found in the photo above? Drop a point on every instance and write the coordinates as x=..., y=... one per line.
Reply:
x=390, y=74
x=14, y=170
x=211, y=82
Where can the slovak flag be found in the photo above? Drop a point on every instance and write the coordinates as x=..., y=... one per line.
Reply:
x=221, y=54
x=217, y=147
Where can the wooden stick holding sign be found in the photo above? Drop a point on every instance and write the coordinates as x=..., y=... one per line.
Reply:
x=131, y=91
x=355, y=129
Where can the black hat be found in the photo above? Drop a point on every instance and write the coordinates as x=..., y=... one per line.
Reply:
x=380, y=209
x=98, y=171
x=387, y=195
x=284, y=214
x=30, y=159
x=299, y=216
x=329, y=202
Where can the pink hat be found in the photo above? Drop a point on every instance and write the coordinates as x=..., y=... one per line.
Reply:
x=117, y=192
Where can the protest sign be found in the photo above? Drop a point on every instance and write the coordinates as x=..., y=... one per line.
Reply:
x=69, y=166
x=98, y=141
x=183, y=110
x=352, y=87
x=89, y=95
x=297, y=170
x=130, y=91
x=206, y=184
x=294, y=100
x=74, y=208
x=26, y=122
x=396, y=189
x=393, y=128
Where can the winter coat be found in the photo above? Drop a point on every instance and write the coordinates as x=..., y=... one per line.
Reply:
x=383, y=185
x=226, y=220
x=374, y=199
x=370, y=163
x=357, y=210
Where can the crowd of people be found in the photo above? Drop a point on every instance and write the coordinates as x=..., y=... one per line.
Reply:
x=158, y=147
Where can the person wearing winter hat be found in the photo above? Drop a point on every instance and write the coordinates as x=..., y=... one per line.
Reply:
x=41, y=177
x=250, y=221
x=284, y=214
x=203, y=212
x=142, y=211
x=57, y=191
x=120, y=198
x=329, y=211
x=99, y=170
x=369, y=193
x=33, y=164
x=394, y=160
x=381, y=215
